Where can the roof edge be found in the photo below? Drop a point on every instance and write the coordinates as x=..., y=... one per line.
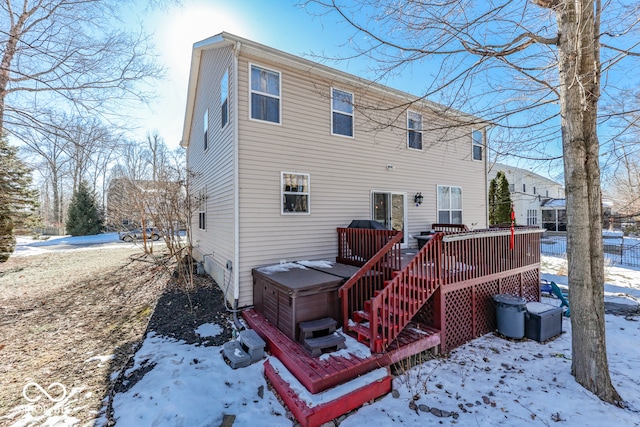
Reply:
x=255, y=48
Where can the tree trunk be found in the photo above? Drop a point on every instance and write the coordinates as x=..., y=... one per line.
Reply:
x=57, y=203
x=579, y=67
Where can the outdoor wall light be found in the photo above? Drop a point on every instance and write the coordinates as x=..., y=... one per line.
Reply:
x=418, y=199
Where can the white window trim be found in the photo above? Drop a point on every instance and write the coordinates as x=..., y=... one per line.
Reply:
x=226, y=73
x=205, y=129
x=532, y=217
x=415, y=130
x=450, y=210
x=283, y=193
x=202, y=208
x=353, y=115
x=481, y=145
x=279, y=97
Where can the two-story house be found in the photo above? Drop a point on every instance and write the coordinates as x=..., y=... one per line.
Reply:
x=536, y=200
x=283, y=150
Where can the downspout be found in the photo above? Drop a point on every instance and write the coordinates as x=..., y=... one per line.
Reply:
x=486, y=189
x=486, y=171
x=236, y=207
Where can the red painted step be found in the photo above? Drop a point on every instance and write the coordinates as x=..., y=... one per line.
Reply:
x=363, y=333
x=361, y=316
x=335, y=402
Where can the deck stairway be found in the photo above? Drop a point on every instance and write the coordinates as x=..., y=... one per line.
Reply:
x=380, y=301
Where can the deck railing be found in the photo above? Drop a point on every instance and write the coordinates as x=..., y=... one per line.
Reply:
x=356, y=246
x=448, y=259
x=378, y=254
x=452, y=260
x=480, y=253
x=449, y=227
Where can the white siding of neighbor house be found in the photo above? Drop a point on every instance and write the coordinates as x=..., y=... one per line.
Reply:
x=524, y=198
x=213, y=168
x=343, y=172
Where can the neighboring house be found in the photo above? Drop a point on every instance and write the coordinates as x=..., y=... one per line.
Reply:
x=536, y=200
x=137, y=203
x=283, y=151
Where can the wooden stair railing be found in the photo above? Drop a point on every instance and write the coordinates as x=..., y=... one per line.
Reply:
x=391, y=308
x=374, y=272
x=379, y=304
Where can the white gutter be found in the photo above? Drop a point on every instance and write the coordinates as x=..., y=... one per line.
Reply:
x=236, y=185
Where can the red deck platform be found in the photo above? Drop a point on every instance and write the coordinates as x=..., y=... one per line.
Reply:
x=321, y=373
x=330, y=378
x=337, y=402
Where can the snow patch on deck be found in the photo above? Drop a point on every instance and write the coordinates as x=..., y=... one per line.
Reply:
x=330, y=395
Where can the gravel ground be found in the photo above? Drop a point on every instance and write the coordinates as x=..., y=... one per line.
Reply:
x=76, y=317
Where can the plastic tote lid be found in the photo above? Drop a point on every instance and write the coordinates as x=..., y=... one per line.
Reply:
x=509, y=299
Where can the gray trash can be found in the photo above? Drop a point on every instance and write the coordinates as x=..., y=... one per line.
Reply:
x=510, y=311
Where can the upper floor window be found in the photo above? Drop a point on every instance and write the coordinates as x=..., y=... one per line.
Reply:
x=449, y=205
x=224, y=99
x=202, y=209
x=265, y=94
x=205, y=131
x=476, y=137
x=414, y=130
x=295, y=193
x=512, y=188
x=524, y=187
x=341, y=112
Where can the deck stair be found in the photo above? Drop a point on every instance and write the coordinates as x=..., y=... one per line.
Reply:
x=383, y=313
x=319, y=336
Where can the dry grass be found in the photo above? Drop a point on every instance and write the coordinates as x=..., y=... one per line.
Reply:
x=60, y=309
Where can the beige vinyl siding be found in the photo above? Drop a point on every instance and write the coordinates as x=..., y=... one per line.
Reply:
x=343, y=172
x=213, y=168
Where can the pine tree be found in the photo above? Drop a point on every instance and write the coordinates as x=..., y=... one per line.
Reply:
x=84, y=217
x=499, y=200
x=492, y=201
x=17, y=200
x=503, y=208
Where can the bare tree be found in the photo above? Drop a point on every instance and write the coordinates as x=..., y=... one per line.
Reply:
x=133, y=162
x=622, y=162
x=513, y=62
x=52, y=160
x=71, y=150
x=74, y=54
x=625, y=182
x=158, y=152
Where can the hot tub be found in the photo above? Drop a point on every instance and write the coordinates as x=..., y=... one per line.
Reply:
x=290, y=293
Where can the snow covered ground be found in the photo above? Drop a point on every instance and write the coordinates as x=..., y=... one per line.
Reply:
x=489, y=381
x=26, y=246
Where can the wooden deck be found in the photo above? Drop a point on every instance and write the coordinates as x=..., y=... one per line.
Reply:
x=399, y=303
x=315, y=415
x=320, y=374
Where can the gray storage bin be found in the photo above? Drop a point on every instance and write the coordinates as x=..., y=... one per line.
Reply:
x=510, y=310
x=252, y=344
x=238, y=358
x=543, y=321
